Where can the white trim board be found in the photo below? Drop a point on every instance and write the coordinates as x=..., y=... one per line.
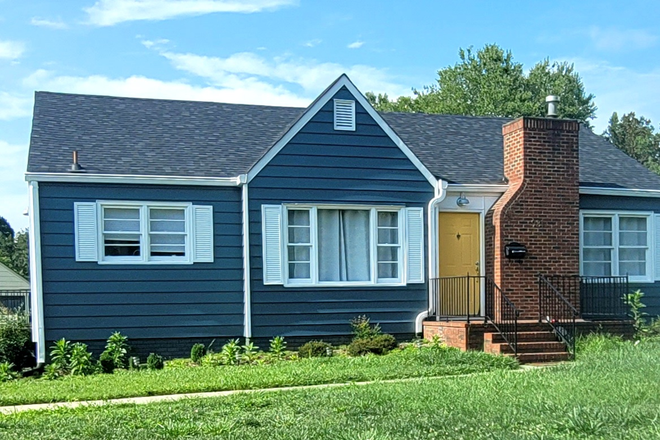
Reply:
x=342, y=81
x=623, y=192
x=36, y=286
x=133, y=179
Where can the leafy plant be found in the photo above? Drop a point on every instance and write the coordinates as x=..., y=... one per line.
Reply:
x=51, y=372
x=315, y=349
x=634, y=301
x=250, y=353
x=80, y=361
x=380, y=344
x=197, y=352
x=15, y=340
x=134, y=363
x=278, y=347
x=231, y=353
x=6, y=372
x=60, y=356
x=107, y=363
x=117, y=348
x=155, y=362
x=362, y=327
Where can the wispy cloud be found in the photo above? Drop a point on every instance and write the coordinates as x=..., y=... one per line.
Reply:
x=14, y=106
x=154, y=43
x=51, y=24
x=112, y=12
x=312, y=43
x=356, y=44
x=11, y=50
x=612, y=39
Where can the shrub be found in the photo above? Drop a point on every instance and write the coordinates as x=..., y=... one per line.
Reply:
x=634, y=301
x=60, y=357
x=250, y=353
x=107, y=363
x=117, y=348
x=315, y=349
x=362, y=328
x=155, y=362
x=15, y=341
x=81, y=360
x=231, y=353
x=278, y=347
x=380, y=344
x=197, y=352
x=6, y=372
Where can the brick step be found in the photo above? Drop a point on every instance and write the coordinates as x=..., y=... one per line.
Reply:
x=529, y=358
x=522, y=337
x=525, y=347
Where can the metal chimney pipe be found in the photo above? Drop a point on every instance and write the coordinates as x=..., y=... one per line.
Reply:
x=75, y=166
x=553, y=103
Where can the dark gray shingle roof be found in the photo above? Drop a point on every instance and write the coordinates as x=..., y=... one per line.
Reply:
x=204, y=139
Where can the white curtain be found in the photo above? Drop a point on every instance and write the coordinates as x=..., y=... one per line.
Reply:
x=343, y=245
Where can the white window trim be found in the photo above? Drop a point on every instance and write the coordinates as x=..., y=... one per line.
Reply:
x=144, y=228
x=614, y=215
x=314, y=280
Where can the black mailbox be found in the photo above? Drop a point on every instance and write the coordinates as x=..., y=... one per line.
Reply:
x=515, y=251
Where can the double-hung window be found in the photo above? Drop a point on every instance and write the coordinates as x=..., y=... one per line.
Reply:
x=342, y=245
x=617, y=244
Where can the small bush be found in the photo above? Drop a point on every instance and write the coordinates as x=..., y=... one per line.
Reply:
x=15, y=341
x=278, y=347
x=231, y=353
x=60, y=357
x=6, y=372
x=107, y=363
x=362, y=328
x=197, y=352
x=117, y=348
x=155, y=362
x=80, y=363
x=250, y=353
x=380, y=344
x=315, y=349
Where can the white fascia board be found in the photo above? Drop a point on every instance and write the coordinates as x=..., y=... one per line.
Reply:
x=343, y=81
x=477, y=188
x=132, y=179
x=623, y=192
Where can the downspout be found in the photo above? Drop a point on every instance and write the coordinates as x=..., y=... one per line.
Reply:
x=440, y=194
x=247, y=294
x=36, y=286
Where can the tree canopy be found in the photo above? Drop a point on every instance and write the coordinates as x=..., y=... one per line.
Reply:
x=636, y=137
x=14, y=248
x=489, y=82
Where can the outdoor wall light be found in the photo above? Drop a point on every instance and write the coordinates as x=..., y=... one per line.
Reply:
x=462, y=200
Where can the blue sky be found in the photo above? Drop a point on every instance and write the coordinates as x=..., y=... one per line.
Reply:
x=286, y=52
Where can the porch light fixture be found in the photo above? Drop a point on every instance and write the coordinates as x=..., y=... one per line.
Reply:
x=462, y=200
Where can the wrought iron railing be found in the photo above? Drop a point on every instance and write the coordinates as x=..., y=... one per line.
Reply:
x=502, y=314
x=15, y=300
x=557, y=311
x=457, y=297
x=600, y=298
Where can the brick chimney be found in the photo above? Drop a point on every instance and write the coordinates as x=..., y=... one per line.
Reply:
x=539, y=210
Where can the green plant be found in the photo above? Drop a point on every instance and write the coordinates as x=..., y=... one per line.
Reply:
x=634, y=302
x=51, y=372
x=15, y=340
x=80, y=361
x=134, y=363
x=315, y=349
x=107, y=363
x=155, y=362
x=6, y=372
x=250, y=353
x=117, y=348
x=362, y=327
x=197, y=352
x=60, y=356
x=278, y=347
x=380, y=344
x=231, y=353
x=596, y=343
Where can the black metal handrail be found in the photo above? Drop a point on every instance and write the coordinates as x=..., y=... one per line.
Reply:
x=557, y=311
x=502, y=314
x=457, y=297
x=599, y=297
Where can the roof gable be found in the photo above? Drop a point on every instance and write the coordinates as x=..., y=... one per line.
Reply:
x=10, y=280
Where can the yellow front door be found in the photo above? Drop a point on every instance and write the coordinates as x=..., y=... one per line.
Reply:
x=459, y=255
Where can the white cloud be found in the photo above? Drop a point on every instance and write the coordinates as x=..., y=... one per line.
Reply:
x=14, y=106
x=111, y=12
x=312, y=43
x=311, y=75
x=44, y=22
x=356, y=44
x=238, y=91
x=616, y=39
x=154, y=43
x=12, y=184
x=11, y=50
x=620, y=89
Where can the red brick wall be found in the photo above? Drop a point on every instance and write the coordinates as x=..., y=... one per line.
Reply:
x=540, y=208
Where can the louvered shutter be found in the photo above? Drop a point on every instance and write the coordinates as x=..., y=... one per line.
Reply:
x=86, y=228
x=202, y=234
x=344, y=114
x=272, y=243
x=415, y=241
x=656, y=246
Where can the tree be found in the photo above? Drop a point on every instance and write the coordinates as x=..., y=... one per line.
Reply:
x=14, y=248
x=636, y=137
x=490, y=83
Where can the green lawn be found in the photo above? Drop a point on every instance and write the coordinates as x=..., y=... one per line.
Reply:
x=411, y=362
x=612, y=395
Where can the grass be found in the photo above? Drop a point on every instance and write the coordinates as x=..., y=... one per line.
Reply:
x=606, y=394
x=410, y=362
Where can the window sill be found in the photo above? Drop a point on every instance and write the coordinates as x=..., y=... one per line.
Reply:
x=144, y=263
x=339, y=284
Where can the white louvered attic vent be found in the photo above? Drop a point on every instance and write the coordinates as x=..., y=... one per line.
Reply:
x=344, y=114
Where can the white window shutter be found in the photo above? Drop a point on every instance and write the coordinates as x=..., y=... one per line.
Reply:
x=656, y=246
x=271, y=217
x=202, y=234
x=344, y=111
x=415, y=248
x=86, y=227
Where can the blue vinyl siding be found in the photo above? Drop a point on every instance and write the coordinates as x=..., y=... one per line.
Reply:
x=87, y=301
x=651, y=290
x=321, y=165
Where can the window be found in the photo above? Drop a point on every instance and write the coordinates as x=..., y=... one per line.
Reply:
x=616, y=244
x=143, y=232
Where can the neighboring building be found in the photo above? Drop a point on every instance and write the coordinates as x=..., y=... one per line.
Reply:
x=185, y=221
x=14, y=290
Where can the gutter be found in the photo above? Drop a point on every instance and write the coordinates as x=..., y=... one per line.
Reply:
x=36, y=285
x=247, y=293
x=82, y=177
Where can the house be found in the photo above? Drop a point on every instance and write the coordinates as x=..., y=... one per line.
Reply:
x=181, y=222
x=14, y=290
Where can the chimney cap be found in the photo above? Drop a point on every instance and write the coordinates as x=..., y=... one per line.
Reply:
x=552, y=98
x=552, y=101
